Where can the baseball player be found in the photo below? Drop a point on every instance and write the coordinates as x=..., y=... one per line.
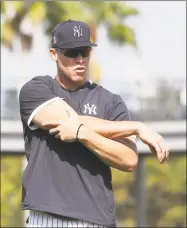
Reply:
x=74, y=131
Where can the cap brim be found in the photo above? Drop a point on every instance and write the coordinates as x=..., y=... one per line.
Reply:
x=77, y=45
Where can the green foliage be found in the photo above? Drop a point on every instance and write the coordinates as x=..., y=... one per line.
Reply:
x=37, y=12
x=11, y=172
x=175, y=215
x=2, y=7
x=111, y=14
x=166, y=193
x=121, y=34
x=124, y=198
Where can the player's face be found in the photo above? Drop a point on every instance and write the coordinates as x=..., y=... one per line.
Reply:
x=72, y=63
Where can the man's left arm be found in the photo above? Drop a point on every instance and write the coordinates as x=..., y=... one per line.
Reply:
x=119, y=127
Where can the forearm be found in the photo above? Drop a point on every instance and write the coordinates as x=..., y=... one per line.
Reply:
x=109, y=151
x=112, y=129
x=59, y=110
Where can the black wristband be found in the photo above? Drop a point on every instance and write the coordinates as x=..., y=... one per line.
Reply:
x=78, y=131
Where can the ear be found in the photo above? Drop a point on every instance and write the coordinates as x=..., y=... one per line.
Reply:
x=53, y=54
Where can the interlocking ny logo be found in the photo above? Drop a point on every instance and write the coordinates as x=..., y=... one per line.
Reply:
x=90, y=109
x=77, y=31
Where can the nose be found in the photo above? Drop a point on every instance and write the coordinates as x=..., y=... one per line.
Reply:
x=79, y=58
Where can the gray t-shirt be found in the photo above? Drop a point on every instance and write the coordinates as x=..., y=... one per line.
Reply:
x=67, y=179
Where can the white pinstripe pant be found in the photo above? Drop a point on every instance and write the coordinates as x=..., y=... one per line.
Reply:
x=42, y=219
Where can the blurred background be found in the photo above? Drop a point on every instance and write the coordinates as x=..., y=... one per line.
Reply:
x=141, y=55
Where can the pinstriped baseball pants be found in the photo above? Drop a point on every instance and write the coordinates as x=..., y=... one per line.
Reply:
x=42, y=219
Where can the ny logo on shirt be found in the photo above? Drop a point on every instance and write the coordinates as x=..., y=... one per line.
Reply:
x=77, y=31
x=90, y=109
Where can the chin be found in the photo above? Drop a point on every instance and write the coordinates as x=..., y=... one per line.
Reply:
x=79, y=78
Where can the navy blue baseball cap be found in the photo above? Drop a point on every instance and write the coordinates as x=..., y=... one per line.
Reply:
x=71, y=34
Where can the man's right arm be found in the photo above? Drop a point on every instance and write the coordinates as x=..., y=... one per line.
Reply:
x=38, y=103
x=57, y=110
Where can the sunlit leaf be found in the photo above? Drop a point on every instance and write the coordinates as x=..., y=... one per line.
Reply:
x=121, y=34
x=7, y=34
x=37, y=12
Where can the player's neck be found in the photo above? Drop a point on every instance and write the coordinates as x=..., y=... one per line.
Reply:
x=67, y=83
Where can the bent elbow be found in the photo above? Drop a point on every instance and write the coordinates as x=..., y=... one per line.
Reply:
x=131, y=165
x=131, y=168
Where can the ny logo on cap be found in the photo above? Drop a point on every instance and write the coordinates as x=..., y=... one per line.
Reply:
x=77, y=31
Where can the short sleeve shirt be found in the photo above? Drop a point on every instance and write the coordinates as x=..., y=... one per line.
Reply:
x=67, y=179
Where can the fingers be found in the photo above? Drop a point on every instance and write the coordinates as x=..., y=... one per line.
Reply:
x=52, y=123
x=164, y=150
x=167, y=154
x=58, y=136
x=161, y=150
x=159, y=153
x=54, y=131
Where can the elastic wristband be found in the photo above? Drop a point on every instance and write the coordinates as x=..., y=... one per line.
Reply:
x=78, y=131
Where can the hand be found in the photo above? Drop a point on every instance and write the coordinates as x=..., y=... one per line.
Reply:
x=64, y=130
x=155, y=142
